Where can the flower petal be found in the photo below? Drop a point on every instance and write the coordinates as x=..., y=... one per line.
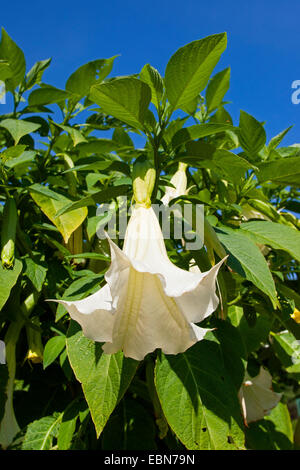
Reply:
x=201, y=301
x=257, y=397
x=147, y=319
x=94, y=314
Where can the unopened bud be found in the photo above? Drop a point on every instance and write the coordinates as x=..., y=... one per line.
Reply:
x=143, y=177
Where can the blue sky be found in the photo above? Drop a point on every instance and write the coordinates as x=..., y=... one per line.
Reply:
x=263, y=44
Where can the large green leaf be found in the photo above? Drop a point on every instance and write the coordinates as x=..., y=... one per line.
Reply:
x=278, y=236
x=198, y=398
x=8, y=278
x=246, y=259
x=66, y=223
x=87, y=75
x=252, y=135
x=198, y=131
x=104, y=377
x=47, y=95
x=285, y=171
x=13, y=55
x=227, y=165
x=189, y=69
x=18, y=127
x=216, y=89
x=124, y=98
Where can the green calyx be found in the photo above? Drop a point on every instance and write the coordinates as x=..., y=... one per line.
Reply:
x=143, y=177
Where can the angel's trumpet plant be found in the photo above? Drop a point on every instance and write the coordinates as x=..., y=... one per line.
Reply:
x=257, y=397
x=147, y=302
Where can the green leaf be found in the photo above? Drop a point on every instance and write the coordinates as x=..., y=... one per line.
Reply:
x=12, y=152
x=66, y=223
x=34, y=76
x=44, y=191
x=246, y=259
x=275, y=141
x=8, y=278
x=278, y=236
x=216, y=89
x=189, y=69
x=5, y=73
x=121, y=138
x=78, y=290
x=129, y=428
x=47, y=95
x=52, y=349
x=18, y=128
x=40, y=433
x=97, y=198
x=233, y=350
x=152, y=77
x=197, y=398
x=36, y=272
x=10, y=52
x=252, y=336
x=99, y=146
x=199, y=131
x=22, y=160
x=104, y=377
x=287, y=348
x=285, y=171
x=93, y=163
x=87, y=75
x=126, y=99
x=68, y=424
x=75, y=134
x=252, y=135
x=274, y=432
x=227, y=165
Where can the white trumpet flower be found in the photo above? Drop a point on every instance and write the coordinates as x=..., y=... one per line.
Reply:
x=148, y=302
x=256, y=396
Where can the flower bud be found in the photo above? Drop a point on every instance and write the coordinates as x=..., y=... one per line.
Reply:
x=35, y=346
x=143, y=177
